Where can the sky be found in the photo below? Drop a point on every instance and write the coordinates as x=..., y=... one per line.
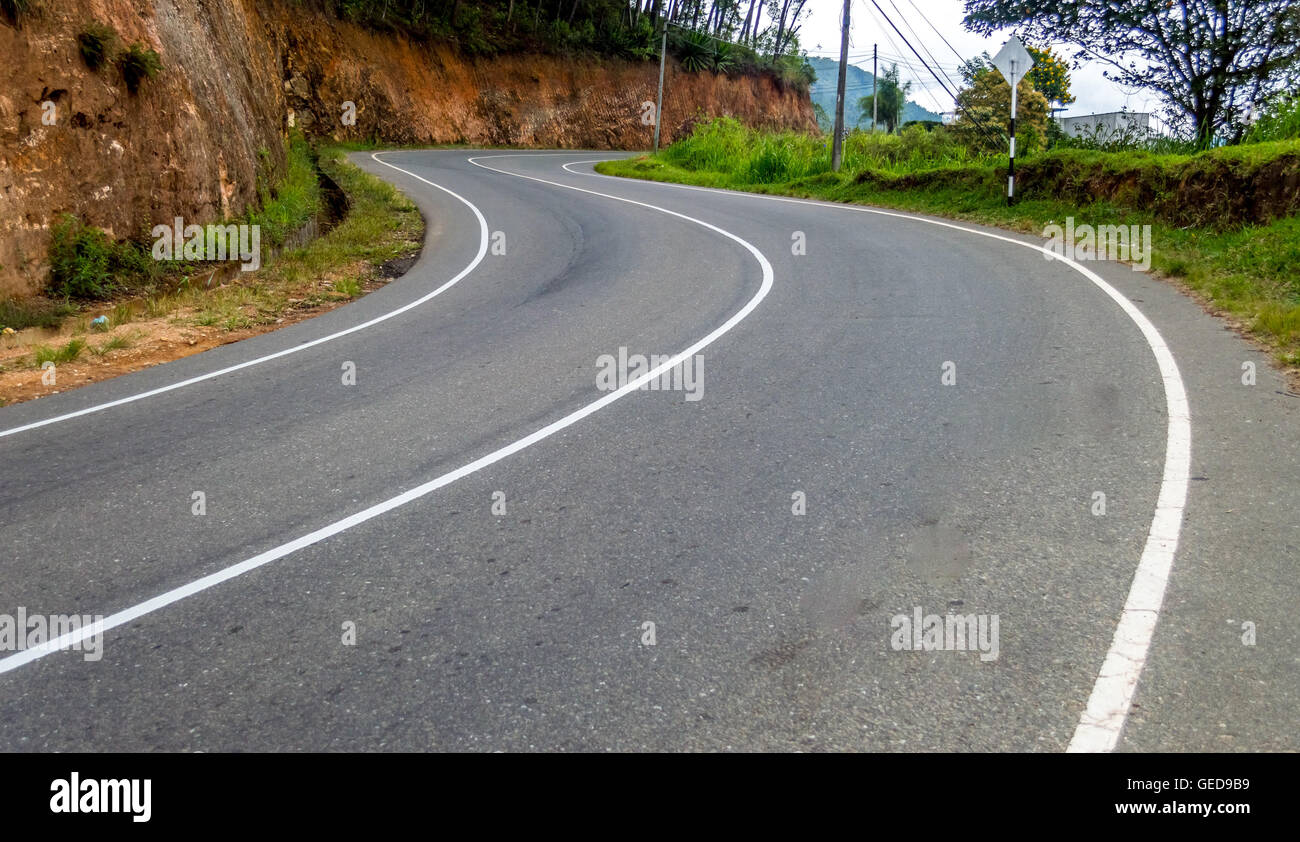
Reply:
x=820, y=36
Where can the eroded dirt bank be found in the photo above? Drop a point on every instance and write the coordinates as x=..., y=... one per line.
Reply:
x=237, y=75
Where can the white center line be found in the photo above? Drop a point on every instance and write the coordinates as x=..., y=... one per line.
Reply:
x=163, y=600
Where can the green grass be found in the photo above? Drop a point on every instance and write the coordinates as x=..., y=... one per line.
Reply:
x=62, y=354
x=1280, y=120
x=381, y=224
x=115, y=344
x=348, y=287
x=122, y=313
x=1248, y=271
x=742, y=155
x=293, y=201
x=20, y=313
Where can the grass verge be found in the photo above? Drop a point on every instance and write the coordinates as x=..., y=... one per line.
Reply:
x=151, y=324
x=1248, y=273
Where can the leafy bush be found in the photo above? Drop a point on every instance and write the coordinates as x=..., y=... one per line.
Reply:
x=725, y=57
x=96, y=42
x=637, y=43
x=792, y=71
x=138, y=63
x=86, y=264
x=81, y=259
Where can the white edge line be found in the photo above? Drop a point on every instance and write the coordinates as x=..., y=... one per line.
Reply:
x=1112, y=695
x=478, y=258
x=67, y=641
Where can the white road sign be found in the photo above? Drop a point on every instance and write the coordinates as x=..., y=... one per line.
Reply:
x=1013, y=61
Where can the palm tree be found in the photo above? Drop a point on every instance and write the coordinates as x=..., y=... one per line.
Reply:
x=892, y=98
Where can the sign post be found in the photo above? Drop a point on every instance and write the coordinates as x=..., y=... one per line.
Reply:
x=1013, y=61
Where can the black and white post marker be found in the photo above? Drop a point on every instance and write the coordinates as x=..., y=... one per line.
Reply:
x=1013, y=61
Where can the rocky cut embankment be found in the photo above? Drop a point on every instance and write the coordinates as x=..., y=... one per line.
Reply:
x=237, y=75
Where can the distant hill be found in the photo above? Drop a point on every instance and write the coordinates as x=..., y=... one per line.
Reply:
x=857, y=85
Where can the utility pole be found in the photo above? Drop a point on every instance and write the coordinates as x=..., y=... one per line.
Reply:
x=875, y=69
x=659, y=104
x=839, y=96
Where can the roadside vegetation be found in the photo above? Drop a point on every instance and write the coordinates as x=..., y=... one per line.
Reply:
x=721, y=36
x=1224, y=223
x=138, y=63
x=115, y=290
x=97, y=43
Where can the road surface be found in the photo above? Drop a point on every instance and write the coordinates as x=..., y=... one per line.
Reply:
x=428, y=524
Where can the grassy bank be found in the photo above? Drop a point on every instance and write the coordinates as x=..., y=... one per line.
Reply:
x=381, y=225
x=170, y=309
x=1249, y=271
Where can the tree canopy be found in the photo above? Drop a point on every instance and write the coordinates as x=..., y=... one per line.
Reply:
x=890, y=99
x=1208, y=59
x=985, y=106
x=1051, y=75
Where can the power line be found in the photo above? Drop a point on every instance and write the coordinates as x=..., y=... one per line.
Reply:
x=885, y=55
x=906, y=63
x=922, y=43
x=979, y=124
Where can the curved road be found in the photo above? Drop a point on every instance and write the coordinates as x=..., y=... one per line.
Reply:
x=462, y=549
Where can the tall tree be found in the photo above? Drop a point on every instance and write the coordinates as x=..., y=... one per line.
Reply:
x=1208, y=59
x=744, y=28
x=985, y=105
x=785, y=15
x=890, y=99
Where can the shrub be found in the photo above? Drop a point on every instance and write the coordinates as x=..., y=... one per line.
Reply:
x=793, y=71
x=80, y=260
x=695, y=50
x=725, y=57
x=638, y=42
x=138, y=63
x=85, y=264
x=96, y=42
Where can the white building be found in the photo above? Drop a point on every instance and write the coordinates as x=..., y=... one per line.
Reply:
x=1103, y=125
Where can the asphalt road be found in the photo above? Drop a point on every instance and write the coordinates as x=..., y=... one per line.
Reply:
x=502, y=603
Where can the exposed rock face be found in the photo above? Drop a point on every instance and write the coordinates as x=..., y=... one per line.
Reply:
x=237, y=74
